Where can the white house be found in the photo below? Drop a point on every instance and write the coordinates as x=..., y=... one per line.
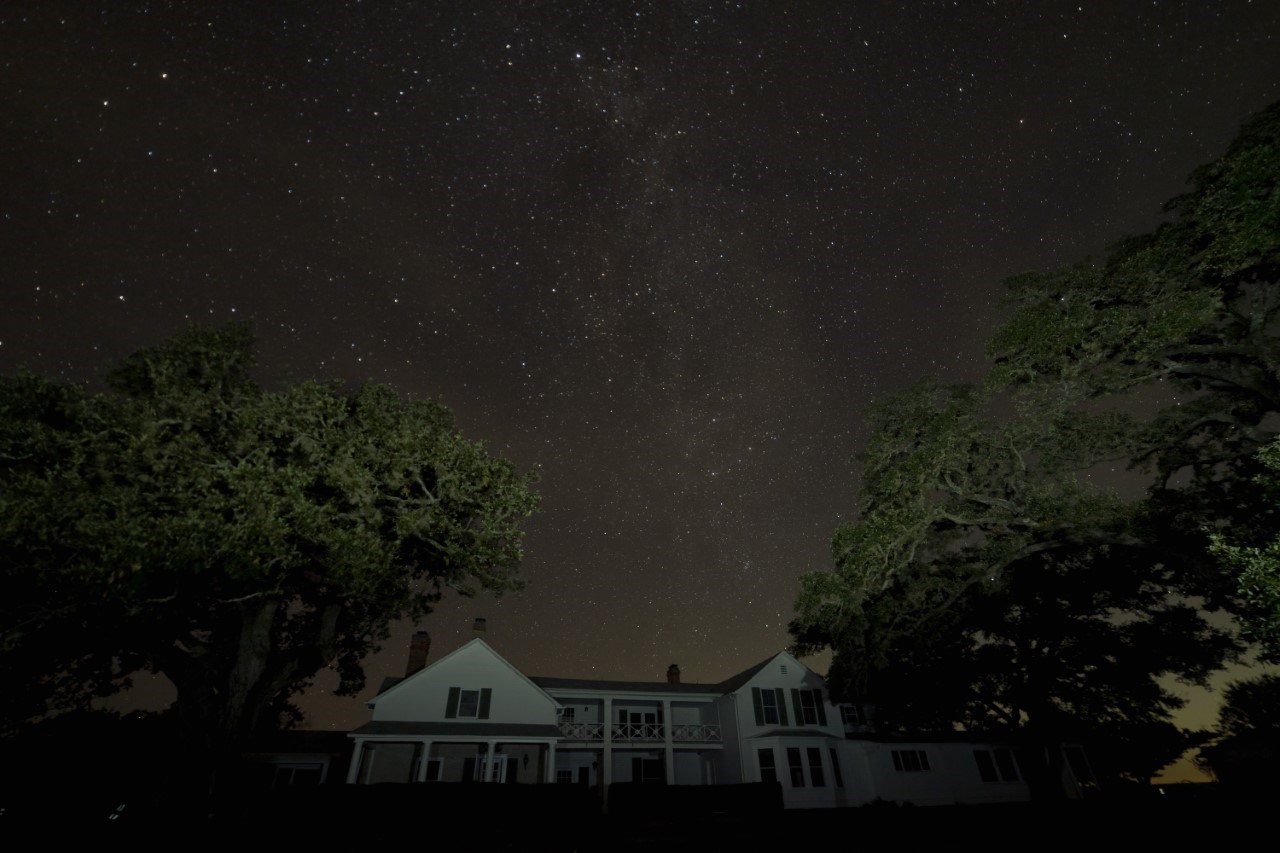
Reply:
x=471, y=716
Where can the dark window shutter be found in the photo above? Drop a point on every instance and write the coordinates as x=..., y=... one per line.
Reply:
x=485, y=696
x=797, y=707
x=755, y=700
x=782, y=706
x=822, y=711
x=451, y=708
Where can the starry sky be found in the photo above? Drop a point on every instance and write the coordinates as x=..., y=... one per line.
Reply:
x=664, y=253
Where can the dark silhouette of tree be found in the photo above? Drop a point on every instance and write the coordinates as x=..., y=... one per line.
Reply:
x=1166, y=359
x=1060, y=650
x=1246, y=742
x=234, y=539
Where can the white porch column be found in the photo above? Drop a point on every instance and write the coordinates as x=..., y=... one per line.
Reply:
x=357, y=755
x=486, y=765
x=426, y=757
x=668, y=759
x=607, y=755
x=551, y=762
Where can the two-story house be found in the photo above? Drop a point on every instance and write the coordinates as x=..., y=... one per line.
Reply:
x=473, y=717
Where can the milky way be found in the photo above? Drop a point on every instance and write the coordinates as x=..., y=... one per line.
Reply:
x=666, y=254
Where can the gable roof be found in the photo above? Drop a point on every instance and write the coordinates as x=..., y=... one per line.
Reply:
x=391, y=684
x=733, y=682
x=545, y=683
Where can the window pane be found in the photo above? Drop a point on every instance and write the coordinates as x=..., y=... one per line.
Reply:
x=986, y=767
x=1004, y=761
x=769, y=702
x=815, y=767
x=768, y=769
x=469, y=703
x=797, y=769
x=835, y=769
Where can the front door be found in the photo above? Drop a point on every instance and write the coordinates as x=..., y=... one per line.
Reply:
x=497, y=768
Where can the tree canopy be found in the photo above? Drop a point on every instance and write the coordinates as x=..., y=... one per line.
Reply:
x=977, y=502
x=1246, y=742
x=236, y=540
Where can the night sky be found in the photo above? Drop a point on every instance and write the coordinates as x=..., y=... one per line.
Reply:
x=665, y=254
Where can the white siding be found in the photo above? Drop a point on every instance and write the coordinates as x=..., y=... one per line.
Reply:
x=423, y=696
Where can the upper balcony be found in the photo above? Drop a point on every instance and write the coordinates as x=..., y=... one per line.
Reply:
x=642, y=732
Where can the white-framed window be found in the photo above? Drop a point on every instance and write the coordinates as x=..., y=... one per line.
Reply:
x=816, y=776
x=566, y=715
x=297, y=774
x=996, y=765
x=768, y=765
x=852, y=715
x=468, y=703
x=796, y=767
x=910, y=760
x=769, y=704
x=810, y=709
x=835, y=768
x=564, y=777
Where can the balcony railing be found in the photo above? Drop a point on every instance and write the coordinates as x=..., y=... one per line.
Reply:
x=638, y=732
x=582, y=731
x=643, y=732
x=695, y=733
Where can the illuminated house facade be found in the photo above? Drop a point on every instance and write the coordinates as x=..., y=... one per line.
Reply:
x=473, y=717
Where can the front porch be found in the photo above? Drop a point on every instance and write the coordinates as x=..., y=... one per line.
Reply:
x=453, y=752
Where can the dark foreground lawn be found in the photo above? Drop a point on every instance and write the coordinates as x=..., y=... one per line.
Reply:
x=1180, y=817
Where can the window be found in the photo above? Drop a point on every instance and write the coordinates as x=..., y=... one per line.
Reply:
x=768, y=769
x=434, y=767
x=771, y=709
x=910, y=760
x=1079, y=764
x=1005, y=764
x=810, y=710
x=566, y=715
x=564, y=777
x=797, y=769
x=835, y=769
x=816, y=776
x=468, y=703
x=300, y=775
x=996, y=765
x=852, y=715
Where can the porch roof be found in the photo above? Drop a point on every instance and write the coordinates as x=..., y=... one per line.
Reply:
x=603, y=686
x=481, y=730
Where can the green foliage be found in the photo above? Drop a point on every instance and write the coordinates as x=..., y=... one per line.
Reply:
x=1258, y=567
x=976, y=502
x=951, y=497
x=234, y=539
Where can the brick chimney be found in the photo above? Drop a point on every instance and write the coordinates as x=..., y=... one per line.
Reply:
x=673, y=674
x=419, y=648
x=479, y=628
